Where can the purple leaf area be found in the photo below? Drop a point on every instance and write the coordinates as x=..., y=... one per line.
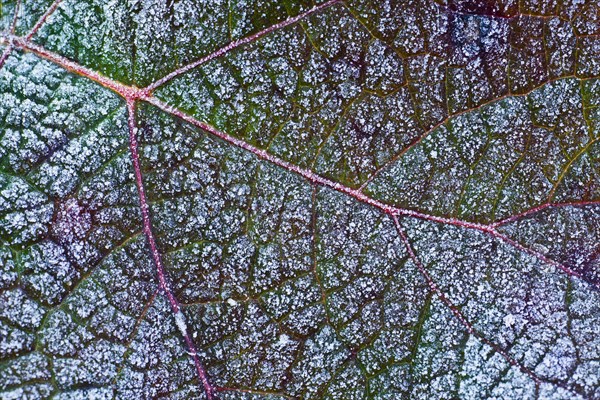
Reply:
x=299, y=200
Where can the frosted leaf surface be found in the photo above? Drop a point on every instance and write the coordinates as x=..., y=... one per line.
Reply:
x=29, y=13
x=310, y=200
x=66, y=208
x=501, y=159
x=137, y=41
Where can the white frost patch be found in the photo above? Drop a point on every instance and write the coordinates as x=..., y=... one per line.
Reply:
x=232, y=302
x=180, y=321
x=509, y=320
x=283, y=340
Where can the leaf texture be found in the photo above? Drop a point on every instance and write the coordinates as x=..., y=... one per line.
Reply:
x=297, y=200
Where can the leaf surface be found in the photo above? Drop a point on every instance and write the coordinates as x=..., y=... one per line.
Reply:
x=288, y=200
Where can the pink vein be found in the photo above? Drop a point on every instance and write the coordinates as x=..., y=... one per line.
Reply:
x=71, y=66
x=541, y=207
x=147, y=226
x=237, y=43
x=356, y=194
x=432, y=285
x=133, y=93
x=308, y=174
x=43, y=19
x=9, y=47
x=7, y=50
x=13, y=25
x=435, y=289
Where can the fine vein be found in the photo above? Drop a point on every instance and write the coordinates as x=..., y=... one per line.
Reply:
x=160, y=270
x=448, y=303
x=237, y=43
x=43, y=19
x=13, y=26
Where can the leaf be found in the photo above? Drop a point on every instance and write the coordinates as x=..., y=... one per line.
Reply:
x=288, y=200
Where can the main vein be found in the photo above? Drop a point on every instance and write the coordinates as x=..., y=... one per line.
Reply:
x=160, y=270
x=133, y=93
